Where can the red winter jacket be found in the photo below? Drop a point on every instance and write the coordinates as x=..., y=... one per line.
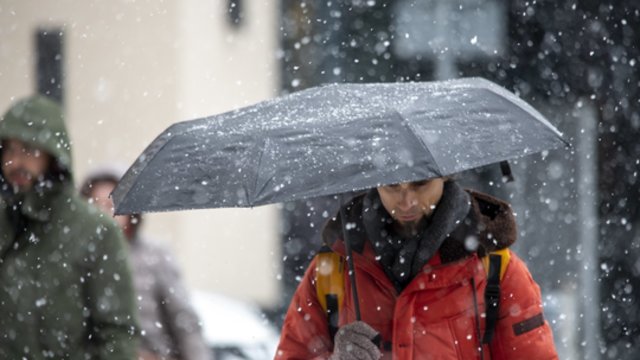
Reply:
x=434, y=317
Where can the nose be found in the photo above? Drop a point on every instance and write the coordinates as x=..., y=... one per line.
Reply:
x=408, y=200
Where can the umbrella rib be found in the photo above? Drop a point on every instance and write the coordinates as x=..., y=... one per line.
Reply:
x=407, y=124
x=517, y=101
x=265, y=143
x=411, y=130
x=126, y=178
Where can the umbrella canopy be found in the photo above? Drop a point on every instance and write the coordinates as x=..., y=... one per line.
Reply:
x=332, y=139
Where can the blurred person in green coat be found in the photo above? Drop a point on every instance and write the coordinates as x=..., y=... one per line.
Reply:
x=65, y=285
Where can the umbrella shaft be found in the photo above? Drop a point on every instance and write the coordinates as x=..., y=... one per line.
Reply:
x=350, y=265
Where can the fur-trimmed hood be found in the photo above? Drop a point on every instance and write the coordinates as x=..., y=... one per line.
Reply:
x=497, y=225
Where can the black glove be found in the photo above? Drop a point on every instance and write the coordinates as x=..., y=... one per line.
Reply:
x=355, y=342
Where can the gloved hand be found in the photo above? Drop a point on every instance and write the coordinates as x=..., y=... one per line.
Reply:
x=354, y=342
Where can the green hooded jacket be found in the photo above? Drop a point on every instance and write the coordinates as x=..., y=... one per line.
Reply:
x=65, y=286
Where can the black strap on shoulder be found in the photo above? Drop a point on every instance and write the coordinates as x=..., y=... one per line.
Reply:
x=333, y=316
x=492, y=297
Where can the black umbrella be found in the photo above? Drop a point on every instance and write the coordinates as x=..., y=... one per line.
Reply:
x=330, y=140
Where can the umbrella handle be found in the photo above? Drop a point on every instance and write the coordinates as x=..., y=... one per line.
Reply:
x=350, y=266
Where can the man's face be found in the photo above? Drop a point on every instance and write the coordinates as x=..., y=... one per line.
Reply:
x=22, y=164
x=100, y=197
x=409, y=203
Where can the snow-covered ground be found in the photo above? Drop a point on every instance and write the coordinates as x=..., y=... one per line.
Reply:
x=234, y=329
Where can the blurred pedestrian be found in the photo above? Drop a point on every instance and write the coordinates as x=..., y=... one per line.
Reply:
x=424, y=291
x=170, y=326
x=65, y=286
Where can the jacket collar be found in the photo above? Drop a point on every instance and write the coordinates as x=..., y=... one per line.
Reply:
x=403, y=258
x=35, y=204
x=434, y=275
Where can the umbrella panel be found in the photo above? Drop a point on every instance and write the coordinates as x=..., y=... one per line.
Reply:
x=330, y=140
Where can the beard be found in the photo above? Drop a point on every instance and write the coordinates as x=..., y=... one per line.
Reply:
x=409, y=229
x=22, y=180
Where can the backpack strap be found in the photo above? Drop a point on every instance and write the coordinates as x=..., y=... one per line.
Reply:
x=495, y=264
x=329, y=281
x=329, y=278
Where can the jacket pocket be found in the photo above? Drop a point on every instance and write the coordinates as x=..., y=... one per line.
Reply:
x=451, y=332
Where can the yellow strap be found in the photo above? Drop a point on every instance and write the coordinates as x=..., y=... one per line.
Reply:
x=505, y=256
x=329, y=277
x=330, y=273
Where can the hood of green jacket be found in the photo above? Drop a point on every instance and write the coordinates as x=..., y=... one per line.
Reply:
x=39, y=121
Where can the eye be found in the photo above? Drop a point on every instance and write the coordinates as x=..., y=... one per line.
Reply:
x=420, y=183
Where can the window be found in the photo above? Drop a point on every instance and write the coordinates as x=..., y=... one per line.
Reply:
x=49, y=64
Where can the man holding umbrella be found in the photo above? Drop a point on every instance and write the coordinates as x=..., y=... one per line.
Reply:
x=430, y=261
x=417, y=249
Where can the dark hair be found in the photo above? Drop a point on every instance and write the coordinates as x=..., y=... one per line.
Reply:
x=87, y=188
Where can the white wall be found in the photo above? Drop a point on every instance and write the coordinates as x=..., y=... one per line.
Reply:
x=132, y=68
x=217, y=62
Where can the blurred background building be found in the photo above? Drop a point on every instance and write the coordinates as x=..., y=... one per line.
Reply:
x=577, y=63
x=125, y=70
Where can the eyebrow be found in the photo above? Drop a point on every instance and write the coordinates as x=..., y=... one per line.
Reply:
x=419, y=183
x=411, y=184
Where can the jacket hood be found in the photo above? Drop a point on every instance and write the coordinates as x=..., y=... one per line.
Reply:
x=496, y=223
x=490, y=220
x=39, y=121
